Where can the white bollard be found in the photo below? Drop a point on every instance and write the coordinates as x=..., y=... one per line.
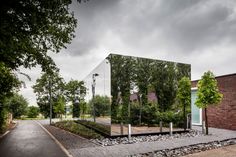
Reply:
x=160, y=125
x=129, y=132
x=121, y=128
x=203, y=127
x=171, y=128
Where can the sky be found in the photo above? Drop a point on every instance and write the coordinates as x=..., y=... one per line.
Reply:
x=198, y=32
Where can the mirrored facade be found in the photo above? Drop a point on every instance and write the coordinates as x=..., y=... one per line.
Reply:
x=142, y=92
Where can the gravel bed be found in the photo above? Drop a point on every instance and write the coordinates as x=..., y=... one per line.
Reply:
x=69, y=140
x=148, y=138
x=188, y=149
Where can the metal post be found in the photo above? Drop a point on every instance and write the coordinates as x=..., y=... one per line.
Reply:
x=129, y=132
x=93, y=92
x=171, y=128
x=140, y=110
x=121, y=128
x=160, y=125
x=203, y=127
x=50, y=101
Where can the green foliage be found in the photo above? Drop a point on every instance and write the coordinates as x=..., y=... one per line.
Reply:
x=102, y=105
x=48, y=82
x=78, y=129
x=8, y=82
x=29, y=29
x=96, y=126
x=208, y=92
x=32, y=112
x=149, y=114
x=17, y=105
x=76, y=110
x=75, y=89
x=83, y=108
x=143, y=76
x=3, y=118
x=184, y=95
x=184, y=92
x=60, y=106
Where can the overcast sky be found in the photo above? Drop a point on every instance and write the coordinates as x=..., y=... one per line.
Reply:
x=199, y=32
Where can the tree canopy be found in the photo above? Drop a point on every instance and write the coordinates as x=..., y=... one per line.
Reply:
x=207, y=93
x=184, y=95
x=17, y=105
x=30, y=29
x=44, y=84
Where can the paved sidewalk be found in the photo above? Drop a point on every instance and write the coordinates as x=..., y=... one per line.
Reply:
x=228, y=151
x=145, y=147
x=28, y=139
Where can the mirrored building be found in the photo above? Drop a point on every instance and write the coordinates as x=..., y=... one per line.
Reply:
x=142, y=92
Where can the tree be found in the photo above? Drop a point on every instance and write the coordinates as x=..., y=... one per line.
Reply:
x=8, y=85
x=122, y=81
x=29, y=29
x=17, y=105
x=101, y=104
x=32, y=112
x=75, y=89
x=163, y=80
x=184, y=96
x=48, y=82
x=60, y=106
x=208, y=93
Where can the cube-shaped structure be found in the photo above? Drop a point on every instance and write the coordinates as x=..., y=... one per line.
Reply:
x=138, y=91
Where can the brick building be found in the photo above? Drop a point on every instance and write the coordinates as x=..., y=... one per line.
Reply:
x=223, y=115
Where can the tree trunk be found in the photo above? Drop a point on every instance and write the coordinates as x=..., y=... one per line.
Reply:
x=206, y=121
x=185, y=126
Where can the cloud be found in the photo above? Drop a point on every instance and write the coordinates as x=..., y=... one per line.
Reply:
x=199, y=32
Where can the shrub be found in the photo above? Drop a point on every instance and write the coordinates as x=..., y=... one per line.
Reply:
x=96, y=126
x=78, y=129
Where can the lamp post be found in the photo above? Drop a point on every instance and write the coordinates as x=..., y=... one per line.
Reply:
x=93, y=92
x=50, y=101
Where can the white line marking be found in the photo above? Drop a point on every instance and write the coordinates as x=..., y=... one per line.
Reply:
x=4, y=134
x=56, y=141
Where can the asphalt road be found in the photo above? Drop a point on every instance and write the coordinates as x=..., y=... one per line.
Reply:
x=28, y=139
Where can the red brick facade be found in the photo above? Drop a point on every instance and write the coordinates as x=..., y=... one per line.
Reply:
x=223, y=115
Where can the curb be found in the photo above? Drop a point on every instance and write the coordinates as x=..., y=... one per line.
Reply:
x=8, y=130
x=56, y=141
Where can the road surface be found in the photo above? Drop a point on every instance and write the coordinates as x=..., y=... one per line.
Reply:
x=28, y=139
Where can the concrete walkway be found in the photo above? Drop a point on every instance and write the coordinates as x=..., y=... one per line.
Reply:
x=145, y=147
x=28, y=139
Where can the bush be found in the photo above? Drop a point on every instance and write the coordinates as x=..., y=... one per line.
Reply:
x=171, y=116
x=32, y=112
x=78, y=129
x=149, y=114
x=96, y=126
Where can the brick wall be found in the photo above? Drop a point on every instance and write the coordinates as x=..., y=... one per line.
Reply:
x=223, y=115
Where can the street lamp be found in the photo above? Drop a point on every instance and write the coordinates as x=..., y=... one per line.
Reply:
x=93, y=92
x=50, y=101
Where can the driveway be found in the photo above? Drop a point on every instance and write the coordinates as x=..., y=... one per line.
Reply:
x=28, y=139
